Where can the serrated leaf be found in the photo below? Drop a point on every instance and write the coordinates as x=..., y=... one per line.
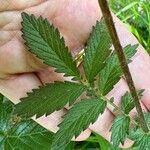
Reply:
x=119, y=129
x=1, y=98
x=112, y=72
x=97, y=51
x=44, y=41
x=24, y=135
x=127, y=102
x=76, y=120
x=49, y=98
x=140, y=138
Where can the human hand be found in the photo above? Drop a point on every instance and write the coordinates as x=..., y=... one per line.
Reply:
x=20, y=71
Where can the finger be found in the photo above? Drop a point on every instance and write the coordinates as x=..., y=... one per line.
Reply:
x=103, y=124
x=76, y=15
x=11, y=20
x=15, y=59
x=49, y=75
x=17, y=86
x=140, y=70
x=51, y=122
x=6, y=36
x=17, y=5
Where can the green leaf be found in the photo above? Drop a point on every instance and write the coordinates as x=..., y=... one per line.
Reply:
x=127, y=102
x=112, y=72
x=1, y=98
x=119, y=129
x=76, y=120
x=97, y=51
x=16, y=134
x=49, y=98
x=140, y=138
x=44, y=41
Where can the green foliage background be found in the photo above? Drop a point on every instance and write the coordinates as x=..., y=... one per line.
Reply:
x=136, y=14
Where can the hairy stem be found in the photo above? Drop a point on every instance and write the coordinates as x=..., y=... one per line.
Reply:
x=115, y=40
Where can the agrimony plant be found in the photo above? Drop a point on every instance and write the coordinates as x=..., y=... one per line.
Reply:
x=100, y=63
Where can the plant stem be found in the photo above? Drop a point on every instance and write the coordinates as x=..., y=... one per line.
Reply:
x=117, y=109
x=112, y=104
x=115, y=40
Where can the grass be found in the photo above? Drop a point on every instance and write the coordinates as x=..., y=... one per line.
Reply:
x=136, y=14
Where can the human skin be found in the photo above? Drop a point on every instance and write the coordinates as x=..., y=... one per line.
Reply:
x=20, y=71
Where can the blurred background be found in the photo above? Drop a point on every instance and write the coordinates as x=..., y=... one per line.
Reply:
x=136, y=14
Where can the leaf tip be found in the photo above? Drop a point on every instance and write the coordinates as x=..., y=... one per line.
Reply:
x=24, y=15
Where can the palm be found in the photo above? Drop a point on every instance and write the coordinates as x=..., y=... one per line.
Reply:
x=74, y=19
